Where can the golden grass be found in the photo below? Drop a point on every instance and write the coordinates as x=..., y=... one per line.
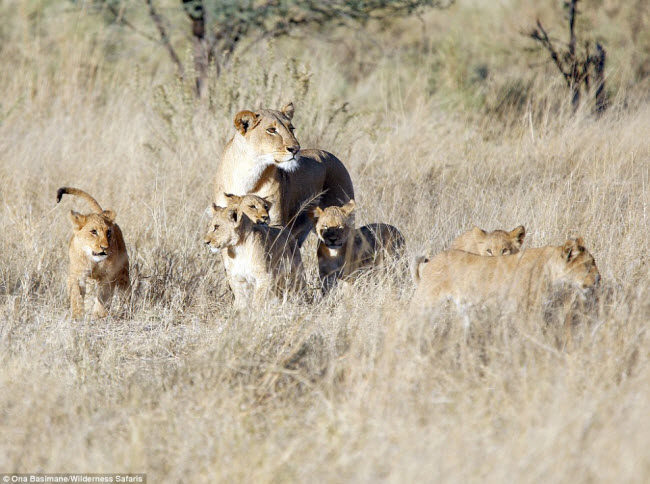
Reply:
x=352, y=388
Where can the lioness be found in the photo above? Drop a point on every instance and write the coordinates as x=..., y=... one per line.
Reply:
x=498, y=242
x=344, y=251
x=97, y=251
x=259, y=260
x=264, y=158
x=519, y=281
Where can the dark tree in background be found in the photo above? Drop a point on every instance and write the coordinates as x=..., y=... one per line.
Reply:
x=220, y=28
x=579, y=66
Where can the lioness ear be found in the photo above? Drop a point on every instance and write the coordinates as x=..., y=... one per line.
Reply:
x=246, y=120
x=78, y=220
x=478, y=232
x=348, y=208
x=288, y=110
x=216, y=208
x=518, y=235
x=109, y=215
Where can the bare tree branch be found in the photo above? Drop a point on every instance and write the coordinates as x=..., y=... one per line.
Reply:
x=160, y=25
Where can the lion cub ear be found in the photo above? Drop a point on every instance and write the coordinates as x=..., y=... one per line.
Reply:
x=216, y=208
x=572, y=249
x=235, y=216
x=315, y=213
x=348, y=208
x=288, y=110
x=78, y=220
x=518, y=235
x=235, y=199
x=478, y=232
x=246, y=120
x=109, y=215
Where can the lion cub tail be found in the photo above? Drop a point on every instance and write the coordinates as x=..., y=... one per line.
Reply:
x=80, y=193
x=415, y=267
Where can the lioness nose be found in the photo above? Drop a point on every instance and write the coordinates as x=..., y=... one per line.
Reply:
x=293, y=149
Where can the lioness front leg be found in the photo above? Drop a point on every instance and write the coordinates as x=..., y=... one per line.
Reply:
x=76, y=293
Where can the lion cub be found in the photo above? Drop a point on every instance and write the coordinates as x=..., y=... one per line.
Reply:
x=498, y=242
x=256, y=208
x=344, y=251
x=259, y=260
x=519, y=281
x=97, y=251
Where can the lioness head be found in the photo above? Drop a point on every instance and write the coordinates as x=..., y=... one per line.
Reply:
x=254, y=207
x=93, y=232
x=224, y=228
x=577, y=266
x=334, y=224
x=499, y=242
x=269, y=135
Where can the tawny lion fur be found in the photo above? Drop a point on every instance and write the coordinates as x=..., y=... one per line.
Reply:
x=265, y=158
x=519, y=281
x=97, y=251
x=498, y=242
x=262, y=263
x=344, y=251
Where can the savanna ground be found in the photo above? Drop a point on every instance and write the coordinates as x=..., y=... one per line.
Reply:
x=448, y=122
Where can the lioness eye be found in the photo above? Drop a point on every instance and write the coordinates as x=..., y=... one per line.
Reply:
x=251, y=206
x=505, y=252
x=291, y=128
x=216, y=227
x=271, y=130
x=489, y=251
x=93, y=231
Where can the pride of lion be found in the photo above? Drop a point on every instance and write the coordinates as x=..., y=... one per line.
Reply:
x=270, y=194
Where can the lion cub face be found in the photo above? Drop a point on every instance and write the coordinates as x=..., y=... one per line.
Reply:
x=334, y=224
x=498, y=242
x=224, y=228
x=93, y=233
x=254, y=207
x=270, y=134
x=578, y=265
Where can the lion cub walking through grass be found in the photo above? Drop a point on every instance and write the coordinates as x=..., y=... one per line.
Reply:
x=97, y=251
x=343, y=251
x=260, y=261
x=519, y=281
x=498, y=242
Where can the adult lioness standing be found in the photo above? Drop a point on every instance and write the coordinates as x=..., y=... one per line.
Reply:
x=264, y=158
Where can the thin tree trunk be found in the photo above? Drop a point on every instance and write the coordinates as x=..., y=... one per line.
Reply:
x=196, y=13
x=164, y=38
x=601, y=94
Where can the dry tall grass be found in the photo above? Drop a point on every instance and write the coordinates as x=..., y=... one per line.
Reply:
x=351, y=388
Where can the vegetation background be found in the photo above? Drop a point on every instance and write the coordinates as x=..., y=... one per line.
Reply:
x=445, y=119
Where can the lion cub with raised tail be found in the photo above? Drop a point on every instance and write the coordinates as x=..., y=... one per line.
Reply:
x=343, y=251
x=498, y=242
x=261, y=262
x=519, y=281
x=97, y=251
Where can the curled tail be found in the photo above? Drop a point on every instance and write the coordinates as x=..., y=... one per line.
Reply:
x=415, y=267
x=80, y=193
